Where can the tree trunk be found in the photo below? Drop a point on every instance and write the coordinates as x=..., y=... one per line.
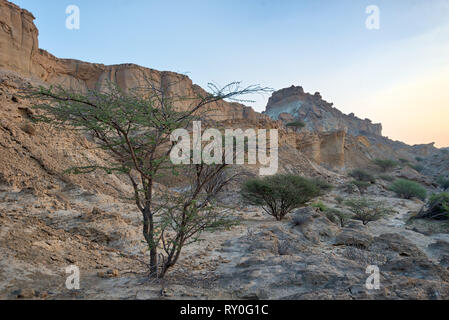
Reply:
x=148, y=233
x=171, y=261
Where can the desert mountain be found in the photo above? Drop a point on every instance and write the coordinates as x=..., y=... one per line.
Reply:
x=49, y=220
x=333, y=139
x=293, y=103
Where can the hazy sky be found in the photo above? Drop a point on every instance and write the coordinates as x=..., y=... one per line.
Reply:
x=397, y=75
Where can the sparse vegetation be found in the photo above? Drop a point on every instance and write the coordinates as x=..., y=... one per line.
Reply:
x=417, y=167
x=443, y=182
x=296, y=124
x=408, y=189
x=361, y=185
x=280, y=194
x=438, y=206
x=135, y=128
x=323, y=185
x=385, y=164
x=404, y=161
x=419, y=159
x=366, y=210
x=320, y=205
x=386, y=177
x=362, y=175
x=337, y=216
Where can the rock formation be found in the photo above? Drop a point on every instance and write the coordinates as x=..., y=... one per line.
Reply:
x=294, y=104
x=330, y=131
x=49, y=220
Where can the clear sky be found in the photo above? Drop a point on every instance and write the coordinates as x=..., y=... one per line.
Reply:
x=397, y=75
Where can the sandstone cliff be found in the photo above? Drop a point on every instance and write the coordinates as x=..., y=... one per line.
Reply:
x=20, y=54
x=49, y=220
x=330, y=139
x=294, y=104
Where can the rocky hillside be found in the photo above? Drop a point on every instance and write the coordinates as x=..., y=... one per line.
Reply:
x=21, y=54
x=293, y=103
x=49, y=220
x=327, y=141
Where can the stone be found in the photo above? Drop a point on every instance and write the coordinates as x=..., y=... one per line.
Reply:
x=26, y=293
x=319, y=115
x=354, y=238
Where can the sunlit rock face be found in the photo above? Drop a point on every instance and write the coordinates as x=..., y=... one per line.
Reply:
x=318, y=114
x=331, y=139
x=18, y=38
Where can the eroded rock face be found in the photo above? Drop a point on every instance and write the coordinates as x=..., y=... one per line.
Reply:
x=325, y=148
x=318, y=114
x=20, y=53
x=18, y=38
x=328, y=138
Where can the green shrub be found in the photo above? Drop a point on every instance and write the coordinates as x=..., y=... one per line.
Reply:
x=417, y=167
x=438, y=206
x=404, y=161
x=296, y=124
x=408, y=189
x=335, y=216
x=323, y=185
x=366, y=210
x=280, y=194
x=443, y=182
x=320, y=205
x=362, y=175
x=386, y=177
x=385, y=164
x=419, y=159
x=361, y=185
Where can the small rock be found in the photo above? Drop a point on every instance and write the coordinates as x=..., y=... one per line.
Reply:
x=26, y=293
x=115, y=273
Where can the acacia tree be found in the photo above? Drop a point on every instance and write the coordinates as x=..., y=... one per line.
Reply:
x=134, y=126
x=280, y=194
x=367, y=210
x=385, y=164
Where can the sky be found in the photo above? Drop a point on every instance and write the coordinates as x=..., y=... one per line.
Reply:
x=397, y=75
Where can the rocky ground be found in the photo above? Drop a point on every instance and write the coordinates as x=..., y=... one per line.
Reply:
x=49, y=220
x=258, y=259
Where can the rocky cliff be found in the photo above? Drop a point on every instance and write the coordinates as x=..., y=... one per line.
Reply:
x=49, y=220
x=293, y=103
x=20, y=53
x=21, y=57
x=328, y=141
x=18, y=39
